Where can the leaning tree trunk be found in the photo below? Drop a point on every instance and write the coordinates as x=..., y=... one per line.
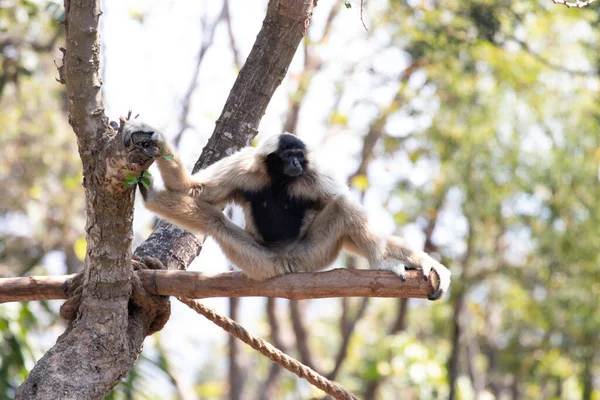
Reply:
x=102, y=344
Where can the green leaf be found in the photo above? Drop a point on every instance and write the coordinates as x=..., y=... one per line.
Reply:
x=145, y=182
x=347, y=4
x=169, y=157
x=130, y=180
x=146, y=174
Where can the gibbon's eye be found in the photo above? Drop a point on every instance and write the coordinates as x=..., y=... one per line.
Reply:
x=294, y=154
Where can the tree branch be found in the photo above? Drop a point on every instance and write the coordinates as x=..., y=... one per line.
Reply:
x=266, y=66
x=208, y=34
x=301, y=333
x=340, y=282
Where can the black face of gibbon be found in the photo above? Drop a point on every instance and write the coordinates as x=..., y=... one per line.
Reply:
x=288, y=161
x=277, y=216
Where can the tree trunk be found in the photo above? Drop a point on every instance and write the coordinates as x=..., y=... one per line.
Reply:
x=301, y=333
x=453, y=370
x=101, y=345
x=588, y=380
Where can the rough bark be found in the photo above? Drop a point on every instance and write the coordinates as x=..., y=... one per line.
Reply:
x=312, y=65
x=102, y=344
x=317, y=285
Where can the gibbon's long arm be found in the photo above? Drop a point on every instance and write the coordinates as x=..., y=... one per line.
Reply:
x=217, y=184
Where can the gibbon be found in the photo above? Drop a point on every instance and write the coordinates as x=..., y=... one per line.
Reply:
x=297, y=217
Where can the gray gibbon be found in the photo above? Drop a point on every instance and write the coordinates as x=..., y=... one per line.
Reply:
x=297, y=217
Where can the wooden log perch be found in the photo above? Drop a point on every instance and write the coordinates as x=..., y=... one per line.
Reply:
x=340, y=282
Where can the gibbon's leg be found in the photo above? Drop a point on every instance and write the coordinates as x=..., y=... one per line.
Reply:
x=255, y=260
x=314, y=252
x=177, y=207
x=385, y=253
x=339, y=222
x=397, y=249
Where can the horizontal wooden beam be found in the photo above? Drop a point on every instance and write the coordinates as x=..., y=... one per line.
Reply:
x=334, y=283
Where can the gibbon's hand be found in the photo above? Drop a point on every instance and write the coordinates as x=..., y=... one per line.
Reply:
x=148, y=140
x=427, y=264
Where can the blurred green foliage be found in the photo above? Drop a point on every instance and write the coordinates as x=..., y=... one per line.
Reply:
x=41, y=204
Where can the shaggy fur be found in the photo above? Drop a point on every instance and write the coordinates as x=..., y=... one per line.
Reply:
x=330, y=220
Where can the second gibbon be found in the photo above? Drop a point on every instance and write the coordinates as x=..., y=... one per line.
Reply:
x=297, y=217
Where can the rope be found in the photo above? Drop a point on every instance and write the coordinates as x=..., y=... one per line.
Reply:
x=272, y=353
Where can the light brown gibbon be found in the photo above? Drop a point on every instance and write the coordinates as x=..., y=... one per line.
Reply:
x=297, y=217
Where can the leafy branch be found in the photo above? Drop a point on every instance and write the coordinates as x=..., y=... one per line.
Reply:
x=144, y=179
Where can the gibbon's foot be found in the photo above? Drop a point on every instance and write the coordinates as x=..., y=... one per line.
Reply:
x=143, y=136
x=391, y=264
x=443, y=273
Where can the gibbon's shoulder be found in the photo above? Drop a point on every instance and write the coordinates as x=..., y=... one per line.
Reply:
x=323, y=184
x=239, y=166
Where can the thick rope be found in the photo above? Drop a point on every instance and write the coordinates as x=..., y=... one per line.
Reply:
x=272, y=353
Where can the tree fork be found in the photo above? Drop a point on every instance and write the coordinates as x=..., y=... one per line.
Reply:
x=102, y=344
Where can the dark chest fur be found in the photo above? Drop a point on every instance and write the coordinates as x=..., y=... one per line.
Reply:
x=277, y=216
